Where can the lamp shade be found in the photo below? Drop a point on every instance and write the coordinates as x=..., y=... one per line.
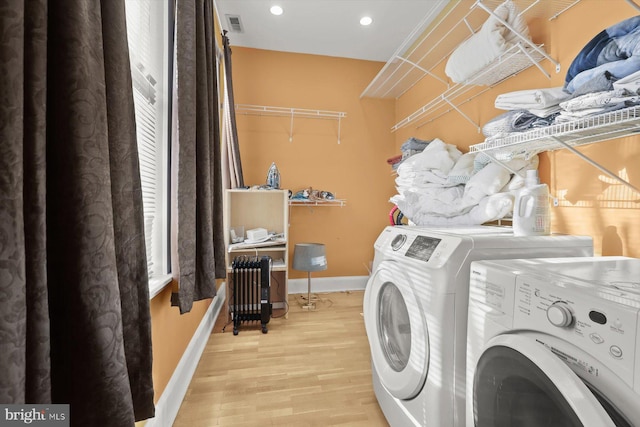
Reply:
x=309, y=257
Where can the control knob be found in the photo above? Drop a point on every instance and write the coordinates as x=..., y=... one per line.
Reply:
x=559, y=314
x=398, y=241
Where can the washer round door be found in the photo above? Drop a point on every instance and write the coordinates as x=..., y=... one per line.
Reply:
x=397, y=331
x=518, y=382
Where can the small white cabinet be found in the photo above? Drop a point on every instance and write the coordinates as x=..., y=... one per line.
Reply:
x=268, y=209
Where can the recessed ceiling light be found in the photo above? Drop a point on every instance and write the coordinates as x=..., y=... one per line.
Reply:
x=366, y=20
x=276, y=10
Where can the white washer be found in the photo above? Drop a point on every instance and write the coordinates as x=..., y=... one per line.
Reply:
x=415, y=313
x=554, y=342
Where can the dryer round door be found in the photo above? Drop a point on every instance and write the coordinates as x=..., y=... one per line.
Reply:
x=518, y=382
x=397, y=331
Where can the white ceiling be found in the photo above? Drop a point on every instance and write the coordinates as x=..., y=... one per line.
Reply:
x=329, y=27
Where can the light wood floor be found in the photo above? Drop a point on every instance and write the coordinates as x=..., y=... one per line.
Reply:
x=312, y=369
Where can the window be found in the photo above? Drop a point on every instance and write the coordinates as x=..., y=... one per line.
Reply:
x=148, y=30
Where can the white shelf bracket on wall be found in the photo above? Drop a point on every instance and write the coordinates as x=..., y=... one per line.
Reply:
x=264, y=110
x=424, y=70
x=455, y=107
x=596, y=164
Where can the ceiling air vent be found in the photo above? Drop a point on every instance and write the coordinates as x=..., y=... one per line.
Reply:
x=235, y=25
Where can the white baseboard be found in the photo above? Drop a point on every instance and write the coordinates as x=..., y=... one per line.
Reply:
x=328, y=284
x=171, y=399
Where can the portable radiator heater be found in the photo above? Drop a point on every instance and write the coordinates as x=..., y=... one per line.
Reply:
x=251, y=291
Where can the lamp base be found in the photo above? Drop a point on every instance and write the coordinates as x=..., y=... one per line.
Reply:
x=309, y=306
x=312, y=298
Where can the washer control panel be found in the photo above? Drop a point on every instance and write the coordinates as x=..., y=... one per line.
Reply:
x=592, y=320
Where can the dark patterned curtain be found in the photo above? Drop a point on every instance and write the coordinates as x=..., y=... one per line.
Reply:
x=198, y=257
x=231, y=163
x=74, y=302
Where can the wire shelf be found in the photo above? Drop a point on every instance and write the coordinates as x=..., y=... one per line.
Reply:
x=264, y=110
x=603, y=127
x=515, y=59
x=328, y=202
x=431, y=43
x=271, y=111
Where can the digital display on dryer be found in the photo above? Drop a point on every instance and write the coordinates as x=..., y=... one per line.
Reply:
x=423, y=247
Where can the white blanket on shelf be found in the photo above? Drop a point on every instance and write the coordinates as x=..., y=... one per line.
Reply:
x=427, y=197
x=490, y=208
x=492, y=40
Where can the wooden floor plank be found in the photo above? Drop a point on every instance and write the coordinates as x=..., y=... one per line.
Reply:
x=312, y=369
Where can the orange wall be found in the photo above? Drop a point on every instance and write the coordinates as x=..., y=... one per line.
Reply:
x=588, y=206
x=170, y=334
x=355, y=169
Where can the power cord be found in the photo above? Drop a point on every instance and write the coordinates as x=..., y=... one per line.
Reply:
x=286, y=303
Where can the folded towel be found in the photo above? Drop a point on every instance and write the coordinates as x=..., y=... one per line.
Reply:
x=537, y=99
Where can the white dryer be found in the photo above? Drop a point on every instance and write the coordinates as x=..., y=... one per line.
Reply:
x=415, y=313
x=554, y=342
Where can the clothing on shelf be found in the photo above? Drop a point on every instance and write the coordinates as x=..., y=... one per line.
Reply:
x=516, y=121
x=630, y=83
x=394, y=160
x=408, y=148
x=312, y=195
x=592, y=104
x=615, y=50
x=413, y=146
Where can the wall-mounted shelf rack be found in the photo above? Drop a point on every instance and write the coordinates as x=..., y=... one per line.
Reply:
x=264, y=110
x=334, y=202
x=458, y=94
x=425, y=55
x=603, y=127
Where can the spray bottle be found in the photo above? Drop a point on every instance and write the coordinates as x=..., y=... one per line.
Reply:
x=531, y=212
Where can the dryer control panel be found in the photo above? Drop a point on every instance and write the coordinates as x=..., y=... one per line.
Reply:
x=429, y=249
